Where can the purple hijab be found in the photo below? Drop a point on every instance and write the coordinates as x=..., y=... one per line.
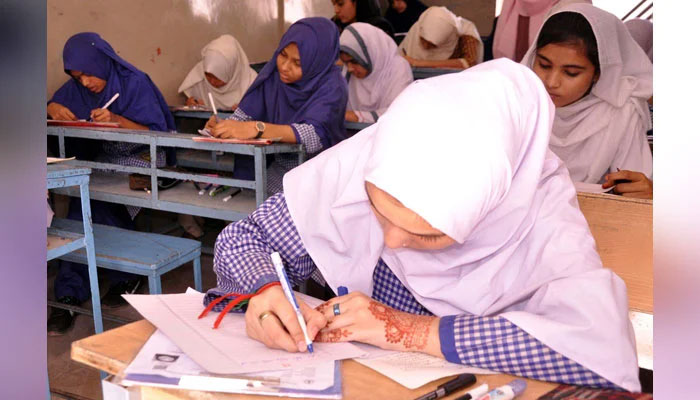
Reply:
x=319, y=98
x=139, y=99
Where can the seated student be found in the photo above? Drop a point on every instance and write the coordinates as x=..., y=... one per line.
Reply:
x=498, y=271
x=642, y=31
x=441, y=39
x=224, y=72
x=350, y=11
x=599, y=80
x=518, y=24
x=402, y=14
x=299, y=96
x=376, y=73
x=97, y=73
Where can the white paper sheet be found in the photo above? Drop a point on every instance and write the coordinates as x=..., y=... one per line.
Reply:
x=411, y=369
x=591, y=187
x=52, y=160
x=643, y=324
x=228, y=349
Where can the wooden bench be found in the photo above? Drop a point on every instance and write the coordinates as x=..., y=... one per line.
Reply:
x=141, y=253
x=622, y=228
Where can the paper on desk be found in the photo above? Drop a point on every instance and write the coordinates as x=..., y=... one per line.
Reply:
x=52, y=160
x=161, y=363
x=228, y=349
x=412, y=369
x=591, y=187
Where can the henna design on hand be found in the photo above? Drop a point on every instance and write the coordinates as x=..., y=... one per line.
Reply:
x=323, y=307
x=399, y=326
x=333, y=335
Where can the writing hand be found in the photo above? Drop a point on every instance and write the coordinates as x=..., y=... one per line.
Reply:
x=630, y=184
x=103, y=115
x=232, y=129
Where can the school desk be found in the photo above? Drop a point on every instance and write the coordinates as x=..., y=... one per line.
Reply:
x=183, y=198
x=61, y=242
x=112, y=351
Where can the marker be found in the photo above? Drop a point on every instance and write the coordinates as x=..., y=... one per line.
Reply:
x=459, y=382
x=213, y=107
x=196, y=186
x=217, y=190
x=342, y=290
x=109, y=103
x=506, y=392
x=475, y=393
x=287, y=289
x=202, y=191
x=235, y=192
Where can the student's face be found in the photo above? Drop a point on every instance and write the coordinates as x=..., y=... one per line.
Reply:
x=357, y=70
x=213, y=80
x=345, y=10
x=426, y=44
x=399, y=6
x=401, y=226
x=289, y=64
x=91, y=82
x=565, y=71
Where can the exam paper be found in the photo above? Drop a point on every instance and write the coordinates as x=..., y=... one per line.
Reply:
x=412, y=369
x=159, y=356
x=228, y=349
x=591, y=187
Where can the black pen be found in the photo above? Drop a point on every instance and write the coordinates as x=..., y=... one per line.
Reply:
x=459, y=382
x=475, y=393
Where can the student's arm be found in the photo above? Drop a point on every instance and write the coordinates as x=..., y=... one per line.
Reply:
x=60, y=112
x=451, y=63
x=634, y=157
x=242, y=265
x=104, y=115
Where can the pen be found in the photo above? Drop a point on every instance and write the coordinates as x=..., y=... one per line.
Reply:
x=109, y=103
x=235, y=192
x=621, y=180
x=213, y=107
x=201, y=192
x=217, y=190
x=475, y=393
x=459, y=382
x=404, y=52
x=287, y=289
x=196, y=186
x=506, y=392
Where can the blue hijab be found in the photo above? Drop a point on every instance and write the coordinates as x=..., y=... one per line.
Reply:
x=139, y=98
x=319, y=98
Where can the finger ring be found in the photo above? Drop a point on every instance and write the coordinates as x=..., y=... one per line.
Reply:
x=264, y=315
x=336, y=309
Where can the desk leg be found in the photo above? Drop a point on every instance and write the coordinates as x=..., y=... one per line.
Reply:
x=90, y=250
x=260, y=176
x=197, y=267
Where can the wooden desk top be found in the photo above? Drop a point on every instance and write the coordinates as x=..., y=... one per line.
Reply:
x=111, y=351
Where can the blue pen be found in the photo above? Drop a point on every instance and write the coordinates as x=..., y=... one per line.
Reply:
x=287, y=289
x=342, y=290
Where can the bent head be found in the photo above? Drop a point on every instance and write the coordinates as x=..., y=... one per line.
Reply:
x=353, y=66
x=427, y=45
x=566, y=59
x=90, y=82
x=345, y=10
x=213, y=80
x=399, y=5
x=289, y=64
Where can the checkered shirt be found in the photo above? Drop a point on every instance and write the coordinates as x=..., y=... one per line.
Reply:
x=130, y=155
x=305, y=134
x=242, y=265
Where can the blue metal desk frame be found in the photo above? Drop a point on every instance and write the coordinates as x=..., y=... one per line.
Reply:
x=60, y=176
x=232, y=211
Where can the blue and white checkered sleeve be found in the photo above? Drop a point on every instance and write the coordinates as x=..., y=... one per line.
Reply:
x=240, y=115
x=497, y=344
x=306, y=135
x=242, y=251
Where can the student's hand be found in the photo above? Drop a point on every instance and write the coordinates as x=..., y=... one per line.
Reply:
x=281, y=329
x=232, y=129
x=59, y=112
x=234, y=107
x=193, y=101
x=211, y=122
x=365, y=320
x=351, y=116
x=637, y=184
x=103, y=115
x=414, y=62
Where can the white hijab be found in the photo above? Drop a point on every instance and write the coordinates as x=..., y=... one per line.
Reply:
x=389, y=72
x=606, y=129
x=642, y=32
x=524, y=250
x=224, y=58
x=441, y=27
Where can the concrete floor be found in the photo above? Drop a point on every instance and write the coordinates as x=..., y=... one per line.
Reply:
x=71, y=380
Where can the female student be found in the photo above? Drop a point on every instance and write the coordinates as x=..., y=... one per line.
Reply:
x=402, y=14
x=376, y=72
x=98, y=73
x=299, y=96
x=441, y=39
x=642, y=32
x=476, y=254
x=599, y=80
x=224, y=72
x=349, y=11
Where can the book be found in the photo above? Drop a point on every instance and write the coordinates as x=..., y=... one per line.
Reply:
x=568, y=392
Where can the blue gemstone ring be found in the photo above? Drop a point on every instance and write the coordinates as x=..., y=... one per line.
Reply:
x=336, y=309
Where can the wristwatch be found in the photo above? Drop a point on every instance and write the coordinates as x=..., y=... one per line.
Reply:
x=260, y=126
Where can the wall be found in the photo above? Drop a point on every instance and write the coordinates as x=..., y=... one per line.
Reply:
x=163, y=38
